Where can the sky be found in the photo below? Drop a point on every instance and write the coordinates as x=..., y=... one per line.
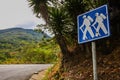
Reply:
x=17, y=13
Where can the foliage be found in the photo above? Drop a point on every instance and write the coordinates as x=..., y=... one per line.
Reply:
x=39, y=7
x=66, y=32
x=62, y=18
x=17, y=50
x=59, y=20
x=31, y=53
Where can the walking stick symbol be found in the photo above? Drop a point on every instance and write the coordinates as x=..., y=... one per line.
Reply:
x=83, y=32
x=86, y=23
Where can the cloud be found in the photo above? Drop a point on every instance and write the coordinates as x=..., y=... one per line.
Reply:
x=16, y=12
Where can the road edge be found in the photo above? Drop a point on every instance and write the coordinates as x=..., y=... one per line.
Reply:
x=38, y=75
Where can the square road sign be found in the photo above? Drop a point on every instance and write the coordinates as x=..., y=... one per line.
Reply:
x=93, y=25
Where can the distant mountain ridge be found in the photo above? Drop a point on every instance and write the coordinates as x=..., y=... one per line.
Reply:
x=22, y=34
x=16, y=37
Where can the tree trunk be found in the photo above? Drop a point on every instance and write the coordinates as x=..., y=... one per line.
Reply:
x=64, y=49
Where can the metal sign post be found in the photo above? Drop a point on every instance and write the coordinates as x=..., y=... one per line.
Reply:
x=94, y=61
x=93, y=25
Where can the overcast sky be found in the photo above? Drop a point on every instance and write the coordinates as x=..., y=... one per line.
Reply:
x=16, y=13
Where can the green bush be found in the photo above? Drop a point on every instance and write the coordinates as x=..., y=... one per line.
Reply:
x=32, y=53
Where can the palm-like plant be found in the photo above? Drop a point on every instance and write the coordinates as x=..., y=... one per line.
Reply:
x=39, y=8
x=59, y=20
x=62, y=26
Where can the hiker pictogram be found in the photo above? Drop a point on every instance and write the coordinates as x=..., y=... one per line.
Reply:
x=99, y=20
x=87, y=23
x=93, y=25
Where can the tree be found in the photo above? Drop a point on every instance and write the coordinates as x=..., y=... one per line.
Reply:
x=60, y=22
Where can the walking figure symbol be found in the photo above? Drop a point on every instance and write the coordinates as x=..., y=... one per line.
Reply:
x=88, y=23
x=99, y=19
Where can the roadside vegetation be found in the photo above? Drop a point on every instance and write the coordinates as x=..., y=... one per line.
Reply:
x=37, y=53
x=26, y=46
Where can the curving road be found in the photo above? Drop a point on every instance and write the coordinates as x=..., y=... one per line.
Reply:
x=21, y=71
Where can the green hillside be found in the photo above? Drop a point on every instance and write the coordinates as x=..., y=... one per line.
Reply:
x=19, y=45
x=21, y=34
x=15, y=37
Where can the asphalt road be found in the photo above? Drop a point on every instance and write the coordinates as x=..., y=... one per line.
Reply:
x=20, y=72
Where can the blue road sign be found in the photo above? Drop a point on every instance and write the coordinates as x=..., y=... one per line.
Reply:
x=93, y=25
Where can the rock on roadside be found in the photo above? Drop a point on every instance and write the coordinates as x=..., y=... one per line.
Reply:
x=38, y=76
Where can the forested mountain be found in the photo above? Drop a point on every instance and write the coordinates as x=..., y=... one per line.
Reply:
x=14, y=34
x=19, y=36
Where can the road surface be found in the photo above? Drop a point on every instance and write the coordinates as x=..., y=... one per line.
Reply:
x=20, y=72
